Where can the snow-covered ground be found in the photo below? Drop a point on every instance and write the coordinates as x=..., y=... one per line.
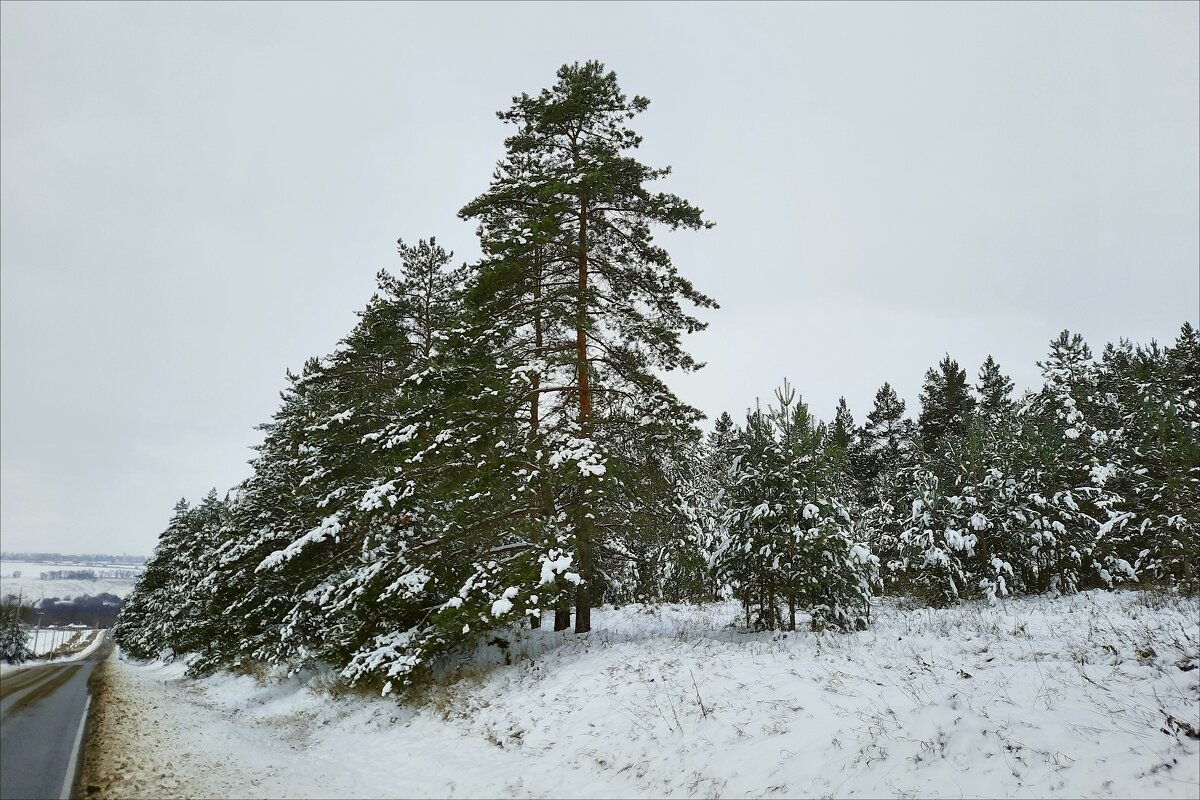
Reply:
x=32, y=588
x=1094, y=695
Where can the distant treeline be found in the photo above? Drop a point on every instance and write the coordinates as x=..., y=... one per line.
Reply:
x=98, y=611
x=68, y=575
x=88, y=574
x=80, y=558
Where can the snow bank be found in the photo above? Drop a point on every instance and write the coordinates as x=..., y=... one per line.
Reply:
x=1089, y=695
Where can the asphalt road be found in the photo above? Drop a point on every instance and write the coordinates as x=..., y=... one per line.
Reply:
x=42, y=710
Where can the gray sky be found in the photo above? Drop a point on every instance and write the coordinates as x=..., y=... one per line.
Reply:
x=194, y=198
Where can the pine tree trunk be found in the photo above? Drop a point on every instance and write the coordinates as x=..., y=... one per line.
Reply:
x=537, y=347
x=766, y=612
x=583, y=597
x=547, y=507
x=562, y=616
x=584, y=528
x=585, y=394
x=791, y=612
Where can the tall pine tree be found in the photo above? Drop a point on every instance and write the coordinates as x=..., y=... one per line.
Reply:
x=568, y=220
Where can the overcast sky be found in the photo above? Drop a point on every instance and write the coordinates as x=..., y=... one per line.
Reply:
x=194, y=198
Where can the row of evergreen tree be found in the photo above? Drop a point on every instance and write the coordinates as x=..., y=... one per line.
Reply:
x=492, y=443
x=1091, y=481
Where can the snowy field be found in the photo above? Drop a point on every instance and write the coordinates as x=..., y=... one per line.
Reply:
x=30, y=586
x=1094, y=695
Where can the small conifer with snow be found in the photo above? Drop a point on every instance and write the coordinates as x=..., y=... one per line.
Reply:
x=790, y=544
x=14, y=639
x=1070, y=446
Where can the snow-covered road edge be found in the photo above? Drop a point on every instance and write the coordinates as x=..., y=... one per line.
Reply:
x=94, y=645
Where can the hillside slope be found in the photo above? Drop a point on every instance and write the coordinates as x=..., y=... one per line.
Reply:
x=1090, y=695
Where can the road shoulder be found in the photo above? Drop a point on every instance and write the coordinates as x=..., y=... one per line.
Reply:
x=136, y=749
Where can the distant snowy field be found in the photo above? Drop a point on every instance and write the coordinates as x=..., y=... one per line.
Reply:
x=1093, y=695
x=32, y=588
